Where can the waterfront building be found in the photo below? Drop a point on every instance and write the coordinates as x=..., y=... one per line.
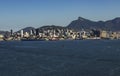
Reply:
x=21, y=33
x=11, y=32
x=83, y=34
x=1, y=37
x=31, y=32
x=113, y=35
x=62, y=34
x=26, y=34
x=104, y=34
x=118, y=35
x=37, y=32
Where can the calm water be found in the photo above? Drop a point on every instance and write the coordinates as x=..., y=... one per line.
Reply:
x=60, y=58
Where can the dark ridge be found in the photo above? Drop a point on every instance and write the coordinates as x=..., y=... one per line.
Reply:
x=82, y=23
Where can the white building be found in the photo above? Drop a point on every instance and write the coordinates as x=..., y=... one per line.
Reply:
x=21, y=32
x=1, y=37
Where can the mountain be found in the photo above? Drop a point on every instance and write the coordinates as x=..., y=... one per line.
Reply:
x=27, y=29
x=82, y=23
x=41, y=29
x=113, y=24
x=4, y=32
x=51, y=27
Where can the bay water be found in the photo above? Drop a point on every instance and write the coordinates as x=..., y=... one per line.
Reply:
x=60, y=58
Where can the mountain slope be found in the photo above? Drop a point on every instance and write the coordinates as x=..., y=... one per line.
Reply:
x=27, y=29
x=82, y=23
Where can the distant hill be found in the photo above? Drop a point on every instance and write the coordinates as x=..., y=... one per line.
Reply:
x=4, y=32
x=113, y=24
x=41, y=29
x=51, y=27
x=82, y=23
x=27, y=29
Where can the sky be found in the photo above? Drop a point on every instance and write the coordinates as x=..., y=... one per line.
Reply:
x=18, y=14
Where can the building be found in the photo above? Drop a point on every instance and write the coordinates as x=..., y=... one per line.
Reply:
x=104, y=34
x=83, y=34
x=1, y=37
x=22, y=34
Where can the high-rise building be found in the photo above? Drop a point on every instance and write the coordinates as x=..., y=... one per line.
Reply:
x=37, y=32
x=31, y=32
x=11, y=32
x=21, y=32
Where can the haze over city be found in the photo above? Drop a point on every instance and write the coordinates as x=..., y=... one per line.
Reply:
x=17, y=14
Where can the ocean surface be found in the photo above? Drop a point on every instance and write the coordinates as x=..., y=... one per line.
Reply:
x=60, y=58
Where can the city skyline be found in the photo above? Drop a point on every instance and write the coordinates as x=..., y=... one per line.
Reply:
x=17, y=14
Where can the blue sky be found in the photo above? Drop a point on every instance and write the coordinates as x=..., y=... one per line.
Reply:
x=17, y=14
